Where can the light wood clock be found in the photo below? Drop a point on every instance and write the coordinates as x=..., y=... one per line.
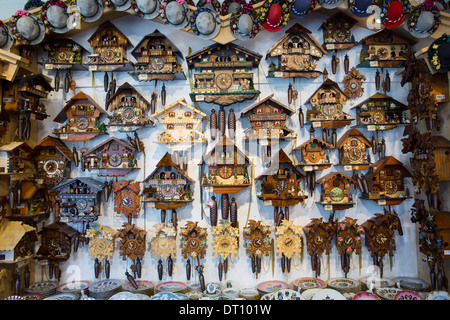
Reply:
x=163, y=246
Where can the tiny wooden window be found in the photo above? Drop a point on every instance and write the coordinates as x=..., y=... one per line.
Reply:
x=170, y=126
x=354, y=143
x=188, y=114
x=115, y=147
x=171, y=114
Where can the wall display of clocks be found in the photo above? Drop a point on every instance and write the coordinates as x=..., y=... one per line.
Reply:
x=163, y=246
x=348, y=241
x=353, y=149
x=257, y=244
x=225, y=245
x=289, y=243
x=127, y=198
x=132, y=246
x=101, y=248
x=335, y=191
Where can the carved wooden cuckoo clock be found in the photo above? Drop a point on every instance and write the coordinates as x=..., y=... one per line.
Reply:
x=101, y=248
x=353, y=150
x=157, y=59
x=80, y=118
x=132, y=246
x=281, y=186
x=348, y=241
x=127, y=198
x=168, y=187
x=384, y=182
x=53, y=160
x=28, y=201
x=113, y=158
x=163, y=246
x=227, y=173
x=335, y=193
x=353, y=84
x=225, y=245
x=257, y=244
x=16, y=160
x=16, y=241
x=314, y=153
x=193, y=246
x=297, y=52
x=289, y=244
x=223, y=74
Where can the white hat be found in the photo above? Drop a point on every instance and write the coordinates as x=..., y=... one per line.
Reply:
x=175, y=13
x=6, y=37
x=423, y=20
x=205, y=22
x=330, y=4
x=91, y=10
x=244, y=23
x=55, y=16
x=120, y=5
x=148, y=9
x=27, y=27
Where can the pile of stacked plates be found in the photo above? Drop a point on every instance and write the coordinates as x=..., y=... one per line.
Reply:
x=302, y=284
x=45, y=289
x=171, y=286
x=77, y=287
x=105, y=289
x=144, y=287
x=343, y=285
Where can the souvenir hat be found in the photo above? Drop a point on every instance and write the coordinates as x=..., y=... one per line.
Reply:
x=205, y=22
x=330, y=4
x=55, y=17
x=119, y=5
x=394, y=12
x=439, y=54
x=244, y=22
x=91, y=10
x=175, y=13
x=213, y=4
x=6, y=37
x=359, y=8
x=27, y=28
x=301, y=8
x=147, y=9
x=424, y=19
x=275, y=14
x=228, y=6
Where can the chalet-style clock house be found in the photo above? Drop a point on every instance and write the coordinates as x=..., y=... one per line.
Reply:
x=353, y=146
x=127, y=199
x=314, y=153
x=16, y=160
x=335, y=191
x=336, y=32
x=63, y=54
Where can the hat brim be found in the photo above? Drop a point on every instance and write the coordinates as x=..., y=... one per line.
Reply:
x=97, y=15
x=394, y=24
x=297, y=14
x=361, y=13
x=60, y=30
x=185, y=20
x=330, y=4
x=152, y=15
x=244, y=37
x=41, y=26
x=123, y=7
x=216, y=31
x=270, y=28
x=442, y=69
x=9, y=39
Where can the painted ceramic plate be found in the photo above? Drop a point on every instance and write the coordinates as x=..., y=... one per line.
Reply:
x=365, y=296
x=343, y=284
x=328, y=294
x=14, y=298
x=73, y=287
x=308, y=283
x=32, y=296
x=63, y=296
x=165, y=296
x=249, y=294
x=43, y=288
x=377, y=282
x=105, y=286
x=410, y=283
x=124, y=295
x=142, y=286
x=271, y=286
x=309, y=293
x=171, y=286
x=408, y=295
x=387, y=293
x=286, y=294
x=438, y=295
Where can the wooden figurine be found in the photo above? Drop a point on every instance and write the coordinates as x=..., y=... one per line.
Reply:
x=225, y=245
x=337, y=33
x=163, y=246
x=101, y=247
x=16, y=161
x=384, y=182
x=193, y=244
x=130, y=109
x=223, y=74
x=289, y=244
x=281, y=186
x=335, y=193
x=132, y=246
x=80, y=118
x=56, y=246
x=168, y=187
x=127, y=198
x=353, y=147
x=109, y=46
x=157, y=59
x=182, y=125
x=227, y=173
x=348, y=242
x=297, y=52
x=53, y=160
x=113, y=157
x=16, y=241
x=257, y=243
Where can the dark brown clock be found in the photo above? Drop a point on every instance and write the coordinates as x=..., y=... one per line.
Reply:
x=282, y=185
x=390, y=187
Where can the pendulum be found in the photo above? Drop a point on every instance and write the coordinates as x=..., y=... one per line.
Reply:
x=131, y=280
x=213, y=124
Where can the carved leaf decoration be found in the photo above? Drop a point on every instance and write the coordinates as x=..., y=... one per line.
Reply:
x=132, y=244
x=257, y=239
x=289, y=240
x=193, y=240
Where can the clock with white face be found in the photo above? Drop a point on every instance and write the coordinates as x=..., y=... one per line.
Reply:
x=128, y=113
x=329, y=110
x=354, y=154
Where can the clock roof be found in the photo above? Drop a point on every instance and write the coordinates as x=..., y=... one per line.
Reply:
x=439, y=142
x=36, y=80
x=224, y=141
x=381, y=96
x=332, y=175
x=15, y=145
x=80, y=97
x=324, y=144
x=352, y=133
x=90, y=182
x=282, y=157
x=375, y=169
x=124, y=41
x=175, y=104
x=130, y=184
x=269, y=99
x=109, y=141
x=386, y=34
x=50, y=141
x=338, y=17
x=127, y=86
x=61, y=43
x=159, y=38
x=61, y=227
x=331, y=85
x=11, y=232
x=166, y=161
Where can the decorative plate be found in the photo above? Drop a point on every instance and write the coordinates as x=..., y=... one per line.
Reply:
x=438, y=295
x=194, y=295
x=231, y=293
x=271, y=286
x=309, y=283
x=143, y=285
x=64, y=296
x=249, y=294
x=308, y=294
x=44, y=288
x=328, y=294
x=171, y=286
x=124, y=296
x=365, y=296
x=14, y=298
x=377, y=282
x=410, y=283
x=343, y=284
x=408, y=295
x=165, y=296
x=73, y=287
x=387, y=293
x=286, y=294
x=32, y=296
x=105, y=285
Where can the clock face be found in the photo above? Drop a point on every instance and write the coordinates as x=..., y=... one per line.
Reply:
x=82, y=123
x=381, y=238
x=348, y=240
x=193, y=243
x=114, y=160
x=354, y=154
x=318, y=240
x=53, y=247
x=336, y=194
x=163, y=243
x=313, y=157
x=128, y=113
x=109, y=55
x=81, y=204
x=339, y=36
x=157, y=64
x=288, y=242
x=225, y=172
x=50, y=167
x=132, y=244
x=223, y=81
x=378, y=117
x=390, y=187
x=296, y=62
x=257, y=242
x=329, y=110
x=63, y=56
x=383, y=53
x=268, y=126
x=168, y=190
x=127, y=201
x=101, y=245
x=282, y=185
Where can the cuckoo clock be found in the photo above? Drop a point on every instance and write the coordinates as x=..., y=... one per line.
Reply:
x=353, y=146
x=384, y=182
x=16, y=241
x=348, y=241
x=157, y=59
x=289, y=244
x=381, y=112
x=297, y=52
x=127, y=198
x=28, y=200
x=182, y=125
x=225, y=245
x=193, y=246
x=227, y=173
x=163, y=246
x=337, y=33
x=168, y=187
x=56, y=246
x=335, y=193
x=80, y=118
x=223, y=74
x=132, y=246
x=113, y=158
x=257, y=244
x=281, y=186
x=314, y=153
x=130, y=110
x=78, y=200
x=101, y=248
x=327, y=107
x=379, y=233
x=16, y=161
x=353, y=84
x=384, y=49
x=53, y=160
x=319, y=237
x=109, y=47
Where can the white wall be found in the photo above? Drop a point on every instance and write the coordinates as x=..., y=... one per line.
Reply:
x=80, y=265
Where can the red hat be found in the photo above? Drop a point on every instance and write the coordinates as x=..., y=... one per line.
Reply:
x=395, y=14
x=274, y=18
